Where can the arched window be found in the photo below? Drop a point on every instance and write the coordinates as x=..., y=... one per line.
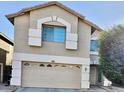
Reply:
x=49, y=65
x=26, y=64
x=78, y=66
x=42, y=65
x=63, y=65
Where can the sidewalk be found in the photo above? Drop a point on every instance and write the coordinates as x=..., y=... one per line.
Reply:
x=4, y=88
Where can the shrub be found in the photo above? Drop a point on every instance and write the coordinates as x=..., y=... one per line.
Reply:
x=111, y=52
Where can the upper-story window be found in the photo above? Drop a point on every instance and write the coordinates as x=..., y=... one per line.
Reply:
x=93, y=45
x=53, y=33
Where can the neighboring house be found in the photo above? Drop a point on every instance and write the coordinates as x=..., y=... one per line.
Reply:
x=52, y=48
x=6, y=52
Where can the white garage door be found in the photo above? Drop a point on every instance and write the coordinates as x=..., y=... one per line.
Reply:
x=51, y=75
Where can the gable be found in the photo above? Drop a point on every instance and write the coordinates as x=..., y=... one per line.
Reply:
x=23, y=11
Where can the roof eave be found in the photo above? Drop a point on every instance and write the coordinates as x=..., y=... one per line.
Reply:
x=10, y=17
x=8, y=40
x=93, y=25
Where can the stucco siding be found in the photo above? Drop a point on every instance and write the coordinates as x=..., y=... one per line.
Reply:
x=9, y=55
x=53, y=11
x=9, y=51
x=21, y=33
x=22, y=24
x=84, y=38
x=96, y=34
x=4, y=45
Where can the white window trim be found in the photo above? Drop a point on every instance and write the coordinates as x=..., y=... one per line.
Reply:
x=54, y=18
x=94, y=38
x=69, y=44
x=94, y=52
x=60, y=20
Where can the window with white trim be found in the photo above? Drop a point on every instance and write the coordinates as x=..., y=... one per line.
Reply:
x=53, y=33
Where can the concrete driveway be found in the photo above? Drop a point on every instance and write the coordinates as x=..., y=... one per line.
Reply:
x=4, y=88
x=92, y=89
x=46, y=90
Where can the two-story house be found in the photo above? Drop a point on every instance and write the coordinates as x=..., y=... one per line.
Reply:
x=6, y=52
x=52, y=47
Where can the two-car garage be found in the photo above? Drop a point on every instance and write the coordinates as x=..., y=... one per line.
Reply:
x=53, y=75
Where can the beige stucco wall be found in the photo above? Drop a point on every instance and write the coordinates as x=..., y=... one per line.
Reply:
x=53, y=11
x=96, y=34
x=22, y=24
x=4, y=45
x=9, y=56
x=9, y=48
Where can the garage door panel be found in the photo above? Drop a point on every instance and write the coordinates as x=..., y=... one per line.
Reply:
x=54, y=77
x=53, y=84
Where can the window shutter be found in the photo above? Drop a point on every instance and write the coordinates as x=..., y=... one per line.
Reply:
x=71, y=41
x=34, y=38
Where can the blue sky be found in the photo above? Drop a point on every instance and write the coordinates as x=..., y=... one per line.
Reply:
x=104, y=14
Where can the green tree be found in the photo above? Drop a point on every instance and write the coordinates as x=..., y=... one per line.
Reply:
x=111, y=52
